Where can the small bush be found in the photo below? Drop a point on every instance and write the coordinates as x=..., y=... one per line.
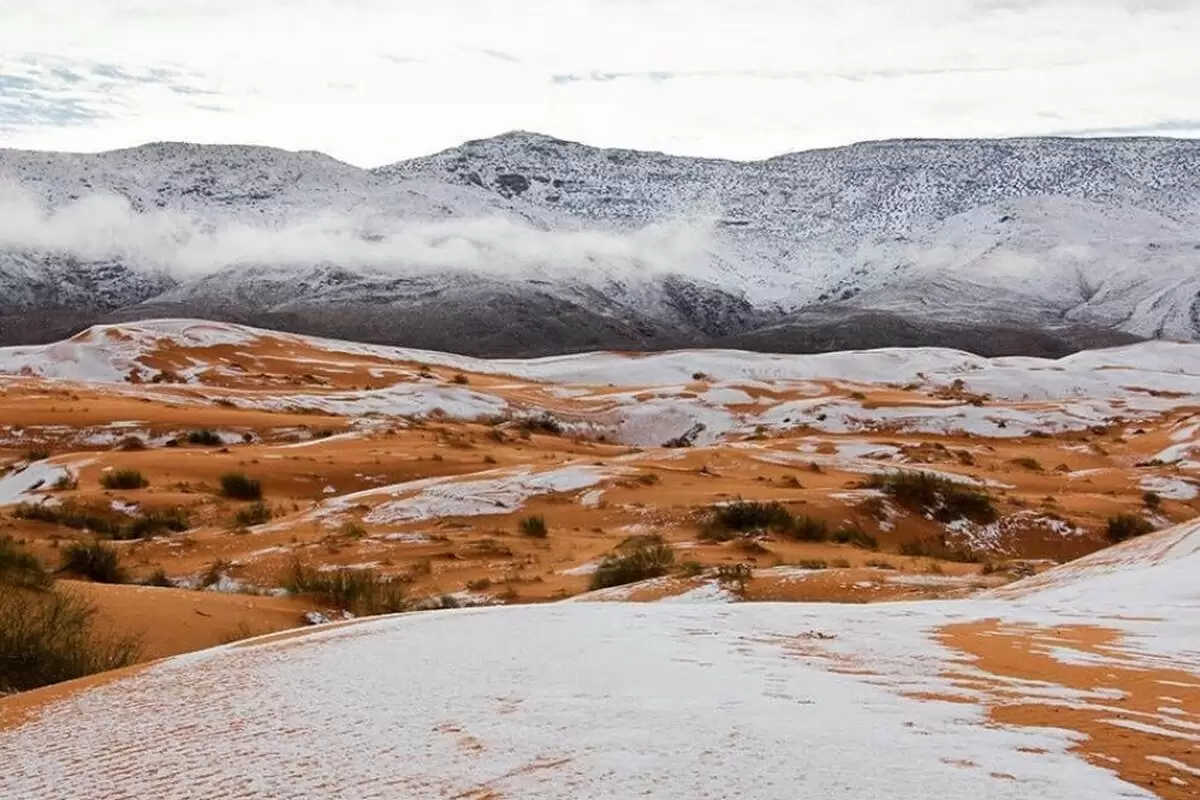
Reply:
x=21, y=569
x=880, y=564
x=1151, y=500
x=48, y=637
x=157, y=578
x=744, y=516
x=543, y=423
x=65, y=483
x=461, y=380
x=124, y=480
x=131, y=444
x=534, y=526
x=37, y=454
x=154, y=522
x=690, y=569
x=68, y=514
x=1127, y=526
x=204, y=437
x=812, y=563
x=361, y=591
x=1025, y=462
x=946, y=500
x=857, y=537
x=94, y=561
x=808, y=529
x=633, y=564
x=256, y=513
x=236, y=486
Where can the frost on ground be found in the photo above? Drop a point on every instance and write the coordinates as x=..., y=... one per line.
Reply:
x=611, y=700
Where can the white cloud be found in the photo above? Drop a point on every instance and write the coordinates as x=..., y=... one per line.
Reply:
x=373, y=82
x=102, y=226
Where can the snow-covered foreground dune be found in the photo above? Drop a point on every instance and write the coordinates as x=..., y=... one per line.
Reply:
x=669, y=700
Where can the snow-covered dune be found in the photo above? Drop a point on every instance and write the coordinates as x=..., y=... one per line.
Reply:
x=618, y=701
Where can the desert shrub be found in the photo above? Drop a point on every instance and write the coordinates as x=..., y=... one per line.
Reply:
x=131, y=444
x=542, y=423
x=937, y=548
x=154, y=522
x=361, y=591
x=157, y=578
x=204, y=437
x=37, y=454
x=534, y=526
x=880, y=564
x=808, y=529
x=68, y=514
x=461, y=380
x=1151, y=500
x=213, y=573
x=48, y=636
x=20, y=568
x=812, y=563
x=647, y=478
x=352, y=530
x=744, y=516
x=856, y=536
x=93, y=560
x=237, y=486
x=1127, y=526
x=633, y=564
x=735, y=576
x=65, y=482
x=1025, y=462
x=124, y=479
x=946, y=500
x=256, y=513
x=690, y=569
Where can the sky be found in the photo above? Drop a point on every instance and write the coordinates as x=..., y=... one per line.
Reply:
x=372, y=82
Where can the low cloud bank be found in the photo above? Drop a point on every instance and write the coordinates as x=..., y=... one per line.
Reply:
x=104, y=226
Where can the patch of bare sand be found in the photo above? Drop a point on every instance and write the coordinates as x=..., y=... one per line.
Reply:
x=1122, y=732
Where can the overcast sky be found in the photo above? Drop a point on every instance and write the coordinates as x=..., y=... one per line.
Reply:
x=372, y=82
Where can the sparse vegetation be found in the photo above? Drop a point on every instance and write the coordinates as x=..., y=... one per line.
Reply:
x=542, y=423
x=69, y=514
x=856, y=536
x=944, y=499
x=65, y=482
x=256, y=513
x=1025, y=462
x=647, y=558
x=1127, y=526
x=361, y=591
x=742, y=516
x=124, y=480
x=131, y=444
x=237, y=486
x=1151, y=500
x=877, y=563
x=157, y=578
x=154, y=522
x=204, y=437
x=533, y=526
x=37, y=453
x=21, y=569
x=94, y=561
x=47, y=636
x=812, y=563
x=808, y=529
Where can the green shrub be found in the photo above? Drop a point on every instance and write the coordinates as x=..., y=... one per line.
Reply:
x=68, y=514
x=151, y=523
x=856, y=536
x=534, y=526
x=361, y=591
x=236, y=486
x=925, y=492
x=204, y=437
x=124, y=479
x=633, y=564
x=256, y=513
x=48, y=636
x=742, y=516
x=1127, y=526
x=21, y=569
x=94, y=561
x=808, y=529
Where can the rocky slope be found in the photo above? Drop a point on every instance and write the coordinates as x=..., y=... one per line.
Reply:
x=525, y=245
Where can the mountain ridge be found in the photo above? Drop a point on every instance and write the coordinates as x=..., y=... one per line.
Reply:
x=1078, y=242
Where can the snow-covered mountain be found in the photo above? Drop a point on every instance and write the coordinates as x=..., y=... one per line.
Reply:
x=524, y=244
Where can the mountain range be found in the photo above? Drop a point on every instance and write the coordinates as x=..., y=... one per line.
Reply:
x=524, y=245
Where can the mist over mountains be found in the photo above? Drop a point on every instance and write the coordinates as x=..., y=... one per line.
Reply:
x=527, y=245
